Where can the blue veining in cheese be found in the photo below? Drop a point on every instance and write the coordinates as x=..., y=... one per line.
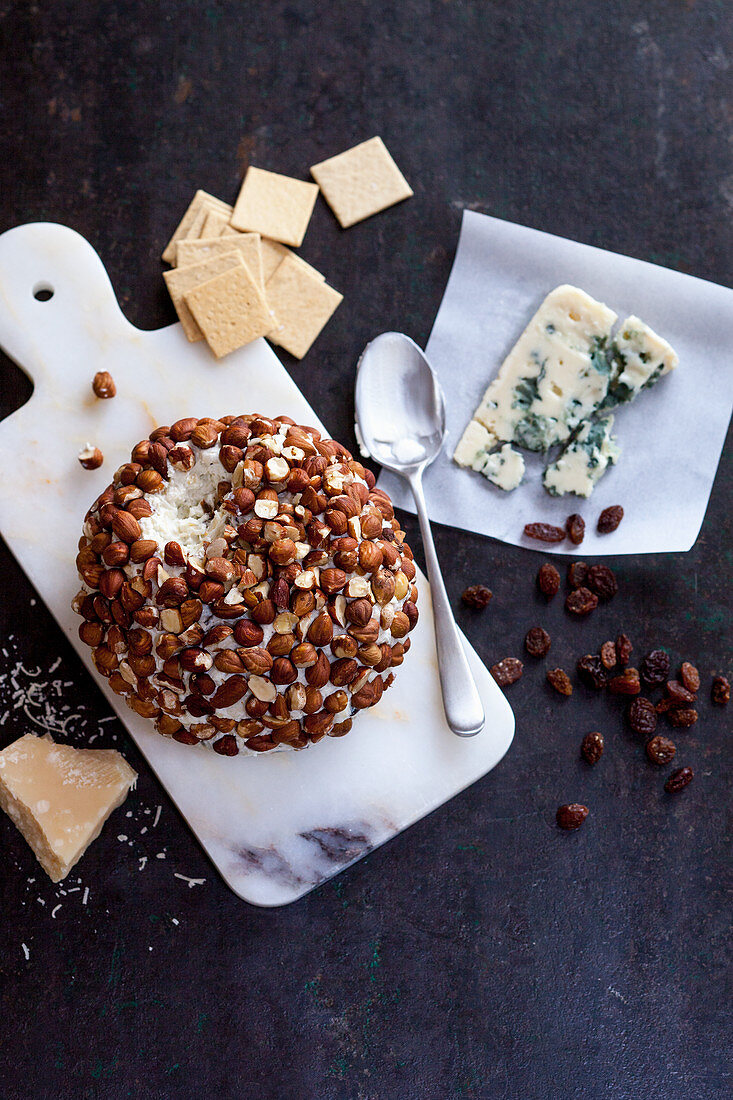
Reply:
x=584, y=460
x=639, y=359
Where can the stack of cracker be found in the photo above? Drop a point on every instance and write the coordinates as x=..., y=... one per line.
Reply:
x=234, y=275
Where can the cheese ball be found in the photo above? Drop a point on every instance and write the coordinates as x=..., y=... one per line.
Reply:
x=246, y=586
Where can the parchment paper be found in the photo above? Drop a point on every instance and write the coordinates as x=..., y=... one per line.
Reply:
x=671, y=436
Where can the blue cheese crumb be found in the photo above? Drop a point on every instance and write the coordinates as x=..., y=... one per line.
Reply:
x=504, y=468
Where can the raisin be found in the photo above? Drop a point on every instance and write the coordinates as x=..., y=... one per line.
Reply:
x=507, y=672
x=577, y=574
x=690, y=677
x=608, y=655
x=720, y=692
x=682, y=717
x=625, y=684
x=642, y=716
x=548, y=580
x=660, y=750
x=655, y=667
x=624, y=649
x=571, y=816
x=609, y=519
x=537, y=642
x=592, y=747
x=592, y=672
x=575, y=527
x=581, y=601
x=477, y=596
x=545, y=532
x=678, y=780
x=560, y=681
x=677, y=693
x=602, y=581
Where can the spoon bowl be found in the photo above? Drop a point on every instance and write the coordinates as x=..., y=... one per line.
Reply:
x=400, y=408
x=400, y=418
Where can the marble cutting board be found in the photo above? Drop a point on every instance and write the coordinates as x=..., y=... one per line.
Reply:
x=275, y=826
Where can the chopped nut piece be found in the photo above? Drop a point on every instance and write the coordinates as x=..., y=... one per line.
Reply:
x=537, y=642
x=548, y=580
x=477, y=596
x=609, y=519
x=592, y=747
x=91, y=458
x=560, y=681
x=507, y=671
x=545, y=532
x=660, y=750
x=571, y=816
x=678, y=780
x=103, y=385
x=720, y=693
x=575, y=527
x=581, y=601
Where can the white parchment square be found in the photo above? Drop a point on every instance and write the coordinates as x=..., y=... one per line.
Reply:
x=671, y=436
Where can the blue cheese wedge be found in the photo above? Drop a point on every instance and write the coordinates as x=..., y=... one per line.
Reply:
x=555, y=375
x=584, y=460
x=639, y=358
x=505, y=468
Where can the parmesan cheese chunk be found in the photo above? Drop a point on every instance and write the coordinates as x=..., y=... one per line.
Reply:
x=59, y=797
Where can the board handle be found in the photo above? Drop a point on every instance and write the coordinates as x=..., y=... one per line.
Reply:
x=53, y=289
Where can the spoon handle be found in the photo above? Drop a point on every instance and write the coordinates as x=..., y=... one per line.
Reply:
x=461, y=701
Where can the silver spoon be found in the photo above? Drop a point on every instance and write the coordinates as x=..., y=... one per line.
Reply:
x=400, y=415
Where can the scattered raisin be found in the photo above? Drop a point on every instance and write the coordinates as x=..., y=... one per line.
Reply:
x=592, y=747
x=507, y=671
x=690, y=677
x=660, y=750
x=655, y=667
x=560, y=681
x=477, y=596
x=642, y=716
x=581, y=601
x=625, y=684
x=677, y=693
x=545, y=532
x=575, y=527
x=609, y=519
x=571, y=816
x=664, y=705
x=608, y=655
x=720, y=693
x=591, y=671
x=624, y=649
x=577, y=574
x=678, y=780
x=682, y=717
x=548, y=580
x=537, y=642
x=602, y=581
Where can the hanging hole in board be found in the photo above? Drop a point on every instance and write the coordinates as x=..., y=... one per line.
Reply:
x=42, y=292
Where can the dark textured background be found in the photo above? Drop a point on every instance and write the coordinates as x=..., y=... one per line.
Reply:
x=483, y=953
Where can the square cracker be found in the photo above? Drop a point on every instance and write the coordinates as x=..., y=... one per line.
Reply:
x=184, y=226
x=302, y=304
x=230, y=310
x=214, y=224
x=275, y=206
x=195, y=252
x=361, y=182
x=182, y=279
